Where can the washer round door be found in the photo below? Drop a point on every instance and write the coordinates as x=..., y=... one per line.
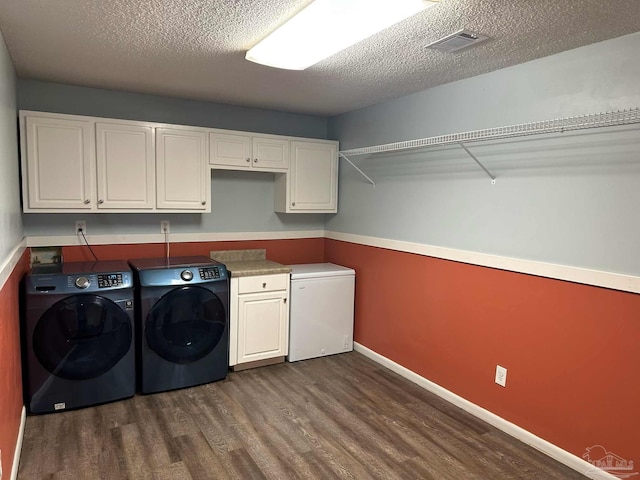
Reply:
x=82, y=337
x=186, y=324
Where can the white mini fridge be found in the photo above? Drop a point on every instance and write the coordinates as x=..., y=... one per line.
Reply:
x=321, y=310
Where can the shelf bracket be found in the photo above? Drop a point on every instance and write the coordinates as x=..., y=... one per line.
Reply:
x=359, y=171
x=486, y=170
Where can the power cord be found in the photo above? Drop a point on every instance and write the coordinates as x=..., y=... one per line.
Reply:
x=166, y=241
x=81, y=232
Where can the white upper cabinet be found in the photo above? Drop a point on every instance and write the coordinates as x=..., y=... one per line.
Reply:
x=126, y=166
x=59, y=168
x=311, y=186
x=182, y=171
x=230, y=151
x=73, y=163
x=270, y=154
x=235, y=151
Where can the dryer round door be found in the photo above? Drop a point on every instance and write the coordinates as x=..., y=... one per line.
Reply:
x=186, y=324
x=82, y=337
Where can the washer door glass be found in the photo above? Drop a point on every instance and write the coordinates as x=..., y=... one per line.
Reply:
x=186, y=324
x=82, y=337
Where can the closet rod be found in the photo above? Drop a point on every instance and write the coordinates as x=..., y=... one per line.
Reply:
x=608, y=119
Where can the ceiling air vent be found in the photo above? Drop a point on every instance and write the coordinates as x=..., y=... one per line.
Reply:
x=457, y=41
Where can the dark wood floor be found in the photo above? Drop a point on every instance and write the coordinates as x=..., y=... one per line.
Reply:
x=334, y=417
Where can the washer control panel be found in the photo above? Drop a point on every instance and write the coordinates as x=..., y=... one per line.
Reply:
x=100, y=281
x=209, y=273
x=110, y=280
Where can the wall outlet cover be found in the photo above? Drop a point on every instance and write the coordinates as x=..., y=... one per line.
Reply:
x=165, y=226
x=81, y=225
x=501, y=376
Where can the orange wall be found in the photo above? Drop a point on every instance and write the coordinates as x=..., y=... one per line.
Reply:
x=305, y=250
x=572, y=351
x=10, y=365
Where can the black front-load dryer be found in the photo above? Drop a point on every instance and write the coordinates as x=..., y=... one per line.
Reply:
x=78, y=335
x=182, y=320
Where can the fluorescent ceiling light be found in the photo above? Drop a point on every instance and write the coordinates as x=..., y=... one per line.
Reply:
x=326, y=27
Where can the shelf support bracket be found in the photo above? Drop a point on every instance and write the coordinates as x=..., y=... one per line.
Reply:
x=359, y=171
x=486, y=170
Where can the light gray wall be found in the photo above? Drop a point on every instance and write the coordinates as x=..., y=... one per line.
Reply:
x=61, y=98
x=570, y=199
x=10, y=220
x=241, y=201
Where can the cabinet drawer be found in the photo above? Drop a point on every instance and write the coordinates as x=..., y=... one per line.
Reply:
x=262, y=283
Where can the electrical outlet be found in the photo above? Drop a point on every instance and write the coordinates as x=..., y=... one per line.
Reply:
x=81, y=225
x=501, y=376
x=165, y=226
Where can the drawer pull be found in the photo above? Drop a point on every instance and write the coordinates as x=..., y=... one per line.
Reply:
x=264, y=285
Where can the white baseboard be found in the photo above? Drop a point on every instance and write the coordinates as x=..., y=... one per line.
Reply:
x=553, y=451
x=16, y=455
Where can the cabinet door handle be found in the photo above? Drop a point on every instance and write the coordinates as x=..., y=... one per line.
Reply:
x=264, y=285
x=255, y=160
x=100, y=202
x=293, y=204
x=86, y=202
x=284, y=300
x=204, y=202
x=248, y=159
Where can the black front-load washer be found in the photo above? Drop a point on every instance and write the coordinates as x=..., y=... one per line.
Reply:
x=182, y=322
x=78, y=335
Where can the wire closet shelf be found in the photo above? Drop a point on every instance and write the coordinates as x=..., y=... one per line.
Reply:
x=559, y=125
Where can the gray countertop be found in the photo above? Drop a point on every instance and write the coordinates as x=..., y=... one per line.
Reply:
x=245, y=263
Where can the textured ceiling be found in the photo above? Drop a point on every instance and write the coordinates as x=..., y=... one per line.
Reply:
x=195, y=48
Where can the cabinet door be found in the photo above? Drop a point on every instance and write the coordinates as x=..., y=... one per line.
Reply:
x=312, y=182
x=181, y=166
x=270, y=154
x=59, y=164
x=263, y=322
x=230, y=151
x=126, y=166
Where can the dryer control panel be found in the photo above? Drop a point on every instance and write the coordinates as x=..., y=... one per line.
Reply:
x=109, y=280
x=209, y=273
x=185, y=275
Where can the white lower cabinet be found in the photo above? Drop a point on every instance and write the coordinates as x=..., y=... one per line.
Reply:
x=259, y=318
